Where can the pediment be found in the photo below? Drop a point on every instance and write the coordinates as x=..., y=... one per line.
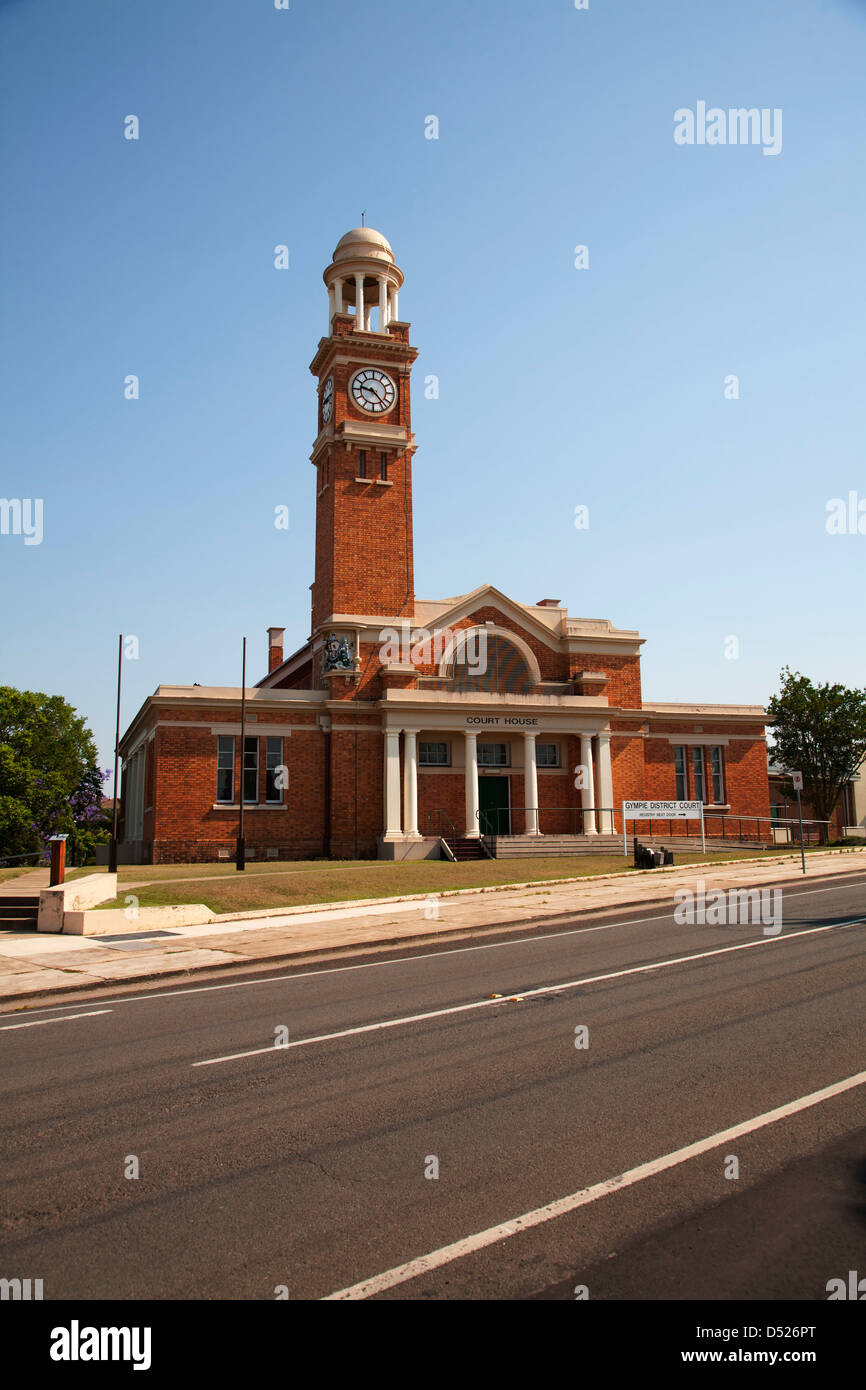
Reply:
x=450, y=613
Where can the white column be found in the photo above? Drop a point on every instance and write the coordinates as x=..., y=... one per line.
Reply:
x=393, y=829
x=472, y=826
x=383, y=303
x=359, y=301
x=530, y=784
x=338, y=295
x=394, y=314
x=589, y=826
x=331, y=306
x=410, y=783
x=605, y=784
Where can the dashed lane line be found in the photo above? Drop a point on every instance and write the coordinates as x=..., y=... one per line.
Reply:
x=524, y=994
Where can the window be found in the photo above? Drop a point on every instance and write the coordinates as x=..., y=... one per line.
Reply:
x=493, y=755
x=682, y=774
x=362, y=463
x=698, y=773
x=383, y=467
x=273, y=760
x=718, y=777
x=434, y=754
x=547, y=755
x=251, y=769
x=225, y=768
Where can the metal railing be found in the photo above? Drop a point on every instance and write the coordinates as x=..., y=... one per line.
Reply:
x=545, y=820
x=436, y=824
x=39, y=855
x=607, y=820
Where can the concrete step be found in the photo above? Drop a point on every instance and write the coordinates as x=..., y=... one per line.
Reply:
x=542, y=846
x=18, y=924
x=14, y=905
x=466, y=847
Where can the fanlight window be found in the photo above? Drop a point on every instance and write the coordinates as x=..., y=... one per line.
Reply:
x=489, y=662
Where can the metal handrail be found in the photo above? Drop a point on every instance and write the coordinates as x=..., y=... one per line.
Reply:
x=438, y=832
x=658, y=825
x=7, y=858
x=539, y=811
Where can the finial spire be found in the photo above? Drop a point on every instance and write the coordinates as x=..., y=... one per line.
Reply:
x=363, y=215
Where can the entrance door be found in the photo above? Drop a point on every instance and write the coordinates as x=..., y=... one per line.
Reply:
x=493, y=805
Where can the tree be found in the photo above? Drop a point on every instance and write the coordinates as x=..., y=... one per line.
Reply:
x=49, y=773
x=820, y=730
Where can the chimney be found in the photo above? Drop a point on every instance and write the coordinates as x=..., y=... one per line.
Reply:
x=548, y=603
x=275, y=647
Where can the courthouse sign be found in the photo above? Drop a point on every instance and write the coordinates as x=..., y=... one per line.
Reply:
x=662, y=810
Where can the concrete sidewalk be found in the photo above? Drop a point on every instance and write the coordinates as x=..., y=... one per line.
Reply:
x=34, y=965
x=32, y=881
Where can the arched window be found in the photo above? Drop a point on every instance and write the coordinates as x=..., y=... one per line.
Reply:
x=488, y=661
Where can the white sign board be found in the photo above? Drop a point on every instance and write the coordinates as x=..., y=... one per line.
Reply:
x=662, y=810
x=797, y=779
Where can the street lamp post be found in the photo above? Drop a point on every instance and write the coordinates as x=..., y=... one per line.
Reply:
x=112, y=847
x=240, y=852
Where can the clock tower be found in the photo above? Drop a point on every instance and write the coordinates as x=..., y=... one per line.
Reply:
x=364, y=445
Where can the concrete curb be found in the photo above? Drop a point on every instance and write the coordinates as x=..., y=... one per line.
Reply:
x=349, y=949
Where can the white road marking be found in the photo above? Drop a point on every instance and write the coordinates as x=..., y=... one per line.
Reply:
x=401, y=1274
x=67, y=1018
x=427, y=955
x=525, y=994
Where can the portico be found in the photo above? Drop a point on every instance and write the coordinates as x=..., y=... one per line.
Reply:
x=549, y=755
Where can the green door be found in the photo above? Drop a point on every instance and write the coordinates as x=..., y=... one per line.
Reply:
x=493, y=803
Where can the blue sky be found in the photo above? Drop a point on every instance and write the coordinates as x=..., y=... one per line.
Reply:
x=559, y=387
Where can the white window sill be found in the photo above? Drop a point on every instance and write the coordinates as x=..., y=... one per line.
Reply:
x=250, y=806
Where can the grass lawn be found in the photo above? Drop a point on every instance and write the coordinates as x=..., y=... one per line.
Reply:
x=265, y=885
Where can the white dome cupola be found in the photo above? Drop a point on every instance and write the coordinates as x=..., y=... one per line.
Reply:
x=364, y=276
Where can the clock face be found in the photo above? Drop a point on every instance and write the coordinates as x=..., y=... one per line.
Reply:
x=328, y=399
x=373, y=390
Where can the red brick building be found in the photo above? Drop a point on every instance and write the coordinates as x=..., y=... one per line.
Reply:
x=403, y=719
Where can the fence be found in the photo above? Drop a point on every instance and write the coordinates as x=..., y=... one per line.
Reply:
x=718, y=825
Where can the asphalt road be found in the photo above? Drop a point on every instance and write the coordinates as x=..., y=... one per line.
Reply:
x=304, y=1166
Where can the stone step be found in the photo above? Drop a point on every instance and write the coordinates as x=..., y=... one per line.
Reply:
x=465, y=847
x=540, y=846
x=18, y=923
x=19, y=904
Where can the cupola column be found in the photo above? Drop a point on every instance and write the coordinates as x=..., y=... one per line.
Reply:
x=383, y=303
x=359, y=302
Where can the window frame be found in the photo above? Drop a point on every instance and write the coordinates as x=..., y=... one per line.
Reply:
x=494, y=762
x=699, y=773
x=222, y=750
x=273, y=794
x=434, y=743
x=556, y=759
x=681, y=772
x=717, y=774
x=254, y=768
